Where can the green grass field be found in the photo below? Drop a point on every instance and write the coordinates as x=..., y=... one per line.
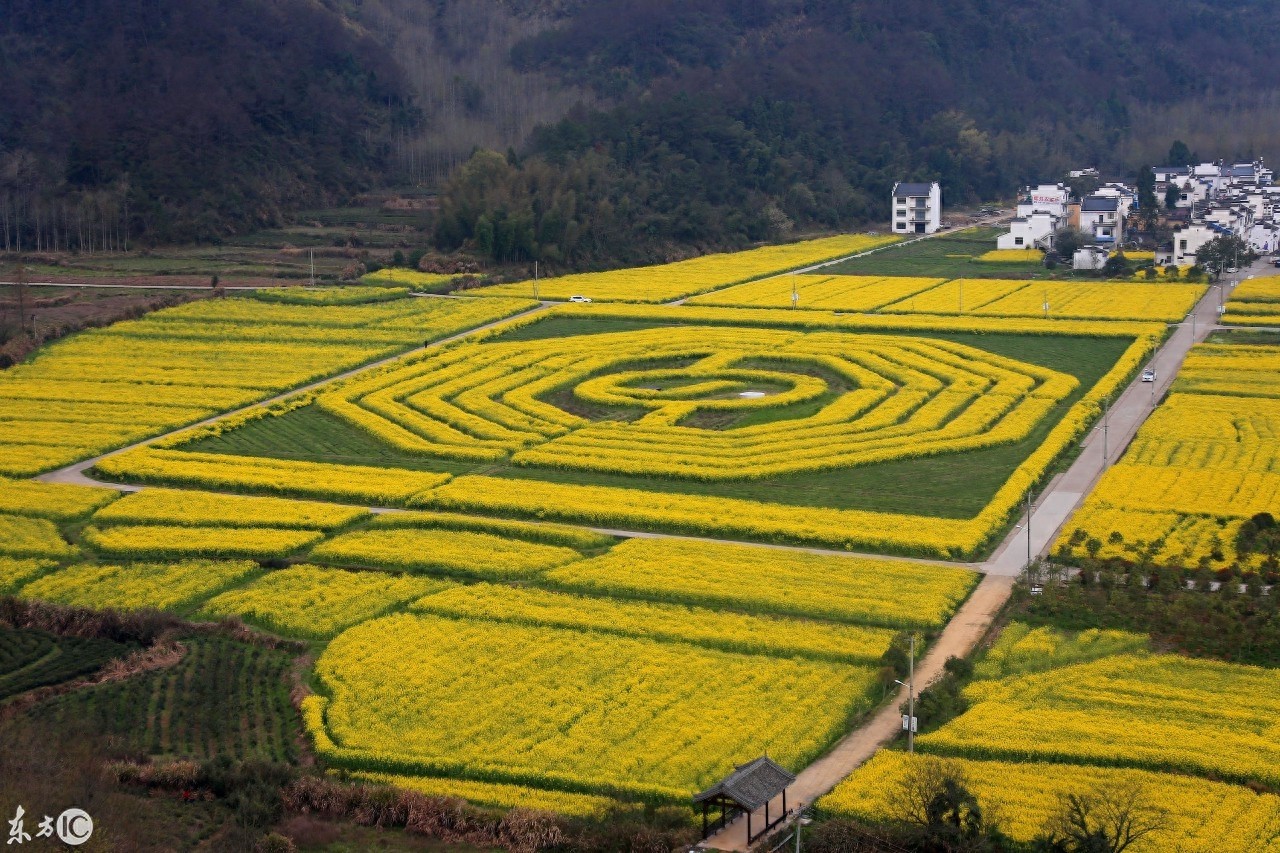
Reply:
x=31, y=659
x=947, y=486
x=948, y=256
x=223, y=698
x=1261, y=337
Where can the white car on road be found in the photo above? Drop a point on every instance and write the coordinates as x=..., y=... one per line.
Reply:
x=1149, y=374
x=579, y=298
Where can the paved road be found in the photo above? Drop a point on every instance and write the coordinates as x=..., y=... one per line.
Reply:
x=76, y=473
x=966, y=628
x=1051, y=510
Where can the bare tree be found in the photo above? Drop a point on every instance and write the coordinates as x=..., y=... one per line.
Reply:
x=1108, y=819
x=934, y=797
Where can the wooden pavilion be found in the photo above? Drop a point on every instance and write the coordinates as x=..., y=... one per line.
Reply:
x=746, y=789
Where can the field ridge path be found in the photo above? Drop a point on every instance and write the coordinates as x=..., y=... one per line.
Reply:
x=75, y=473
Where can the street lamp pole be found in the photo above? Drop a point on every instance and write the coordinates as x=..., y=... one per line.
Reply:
x=909, y=721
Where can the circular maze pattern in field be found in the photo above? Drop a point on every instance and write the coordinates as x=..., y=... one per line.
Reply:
x=704, y=403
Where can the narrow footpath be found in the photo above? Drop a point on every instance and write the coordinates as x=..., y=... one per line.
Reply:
x=75, y=474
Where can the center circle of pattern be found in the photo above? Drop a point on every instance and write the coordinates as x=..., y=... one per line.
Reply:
x=904, y=397
x=690, y=388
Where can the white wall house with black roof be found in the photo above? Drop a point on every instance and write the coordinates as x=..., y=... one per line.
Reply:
x=917, y=208
x=1102, y=218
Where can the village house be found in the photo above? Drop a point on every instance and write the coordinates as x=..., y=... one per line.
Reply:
x=1042, y=211
x=917, y=208
x=1102, y=219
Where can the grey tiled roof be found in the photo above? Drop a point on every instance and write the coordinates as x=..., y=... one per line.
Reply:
x=912, y=189
x=1094, y=202
x=750, y=785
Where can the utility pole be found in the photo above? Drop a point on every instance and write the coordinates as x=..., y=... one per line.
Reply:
x=1029, y=506
x=911, y=697
x=795, y=295
x=535, y=281
x=1106, y=407
x=312, y=254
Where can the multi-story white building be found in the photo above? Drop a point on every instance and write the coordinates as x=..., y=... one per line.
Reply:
x=917, y=208
x=1189, y=239
x=1101, y=218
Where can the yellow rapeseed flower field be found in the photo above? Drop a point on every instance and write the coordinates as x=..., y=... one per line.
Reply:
x=105, y=388
x=14, y=572
x=315, y=602
x=727, y=630
x=1205, y=461
x=1254, y=302
x=407, y=277
x=1102, y=301
x=207, y=509
x=823, y=292
x=330, y=295
x=1201, y=816
x=449, y=551
x=32, y=537
x=696, y=275
x=426, y=695
x=959, y=296
x=548, y=534
x=163, y=586
x=890, y=319
x=1153, y=712
x=55, y=501
x=1265, y=289
x=890, y=593
x=899, y=397
x=350, y=483
x=498, y=795
x=1022, y=649
x=1055, y=300
x=153, y=541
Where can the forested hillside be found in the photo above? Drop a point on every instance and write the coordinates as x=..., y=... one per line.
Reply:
x=737, y=121
x=183, y=119
x=626, y=130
